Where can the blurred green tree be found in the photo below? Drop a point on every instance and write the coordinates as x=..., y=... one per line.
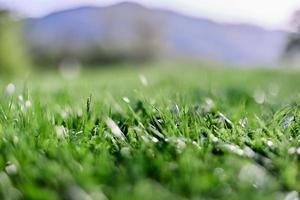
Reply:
x=292, y=49
x=12, y=52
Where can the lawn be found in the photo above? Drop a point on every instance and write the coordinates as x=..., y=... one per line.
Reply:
x=164, y=132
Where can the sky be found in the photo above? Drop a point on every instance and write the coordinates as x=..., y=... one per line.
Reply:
x=273, y=14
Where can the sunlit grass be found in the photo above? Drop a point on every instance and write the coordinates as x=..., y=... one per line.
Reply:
x=158, y=133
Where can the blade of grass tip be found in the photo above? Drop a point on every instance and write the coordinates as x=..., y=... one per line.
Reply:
x=88, y=106
x=133, y=113
x=25, y=92
x=3, y=114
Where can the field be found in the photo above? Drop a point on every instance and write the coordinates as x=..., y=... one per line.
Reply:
x=172, y=132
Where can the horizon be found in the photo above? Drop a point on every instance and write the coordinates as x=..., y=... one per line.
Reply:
x=238, y=14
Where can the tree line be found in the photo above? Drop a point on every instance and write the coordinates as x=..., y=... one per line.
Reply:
x=13, y=57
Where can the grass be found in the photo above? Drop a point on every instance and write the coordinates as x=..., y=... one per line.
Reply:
x=188, y=133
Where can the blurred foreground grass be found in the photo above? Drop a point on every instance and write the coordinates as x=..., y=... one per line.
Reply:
x=151, y=133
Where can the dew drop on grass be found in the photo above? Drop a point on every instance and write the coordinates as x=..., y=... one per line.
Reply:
x=253, y=174
x=209, y=103
x=293, y=195
x=249, y=152
x=116, y=131
x=287, y=121
x=126, y=100
x=292, y=150
x=20, y=97
x=28, y=104
x=235, y=149
x=64, y=114
x=154, y=139
x=180, y=142
x=206, y=107
x=10, y=89
x=259, y=96
x=11, y=169
x=269, y=143
x=60, y=131
x=143, y=80
x=213, y=138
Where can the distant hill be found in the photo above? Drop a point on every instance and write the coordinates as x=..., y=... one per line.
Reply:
x=130, y=27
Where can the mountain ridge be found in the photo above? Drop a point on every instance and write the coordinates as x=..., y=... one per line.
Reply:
x=185, y=36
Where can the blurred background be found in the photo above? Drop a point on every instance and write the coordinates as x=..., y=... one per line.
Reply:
x=52, y=34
